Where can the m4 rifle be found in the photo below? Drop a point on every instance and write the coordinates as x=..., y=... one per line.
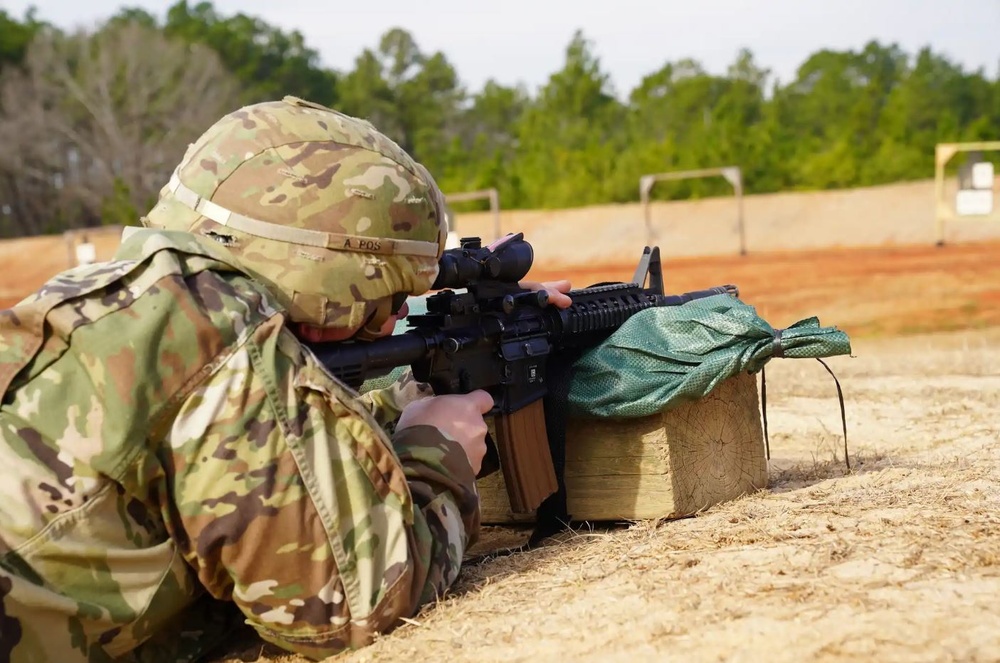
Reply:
x=482, y=330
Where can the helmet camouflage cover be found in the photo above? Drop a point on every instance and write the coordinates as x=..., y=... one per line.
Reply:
x=330, y=214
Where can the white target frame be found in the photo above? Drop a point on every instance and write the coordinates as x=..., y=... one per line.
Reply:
x=732, y=174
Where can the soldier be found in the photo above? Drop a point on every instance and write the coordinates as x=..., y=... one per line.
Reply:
x=171, y=450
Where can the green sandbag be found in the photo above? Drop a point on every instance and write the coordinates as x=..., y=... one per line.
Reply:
x=663, y=356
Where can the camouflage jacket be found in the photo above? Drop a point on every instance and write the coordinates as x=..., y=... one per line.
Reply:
x=169, y=450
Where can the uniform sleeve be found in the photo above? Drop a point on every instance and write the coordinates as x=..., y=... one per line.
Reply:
x=387, y=404
x=289, y=499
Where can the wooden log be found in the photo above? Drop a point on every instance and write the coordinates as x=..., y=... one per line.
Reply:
x=668, y=465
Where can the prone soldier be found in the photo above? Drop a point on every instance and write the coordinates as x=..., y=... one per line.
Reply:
x=176, y=461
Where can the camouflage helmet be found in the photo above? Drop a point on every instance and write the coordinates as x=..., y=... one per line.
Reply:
x=329, y=213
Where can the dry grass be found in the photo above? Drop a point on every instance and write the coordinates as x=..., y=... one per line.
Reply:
x=897, y=559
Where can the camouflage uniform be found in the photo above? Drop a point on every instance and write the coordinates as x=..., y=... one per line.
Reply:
x=171, y=450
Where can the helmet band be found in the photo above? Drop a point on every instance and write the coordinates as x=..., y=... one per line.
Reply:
x=302, y=236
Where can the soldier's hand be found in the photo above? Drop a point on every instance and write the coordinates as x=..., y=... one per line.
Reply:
x=459, y=416
x=557, y=291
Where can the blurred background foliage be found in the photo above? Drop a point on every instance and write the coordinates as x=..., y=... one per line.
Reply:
x=92, y=122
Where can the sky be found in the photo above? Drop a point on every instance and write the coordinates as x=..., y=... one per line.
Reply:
x=523, y=41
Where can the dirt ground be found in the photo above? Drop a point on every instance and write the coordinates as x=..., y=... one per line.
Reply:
x=867, y=291
x=864, y=291
x=25, y=264
x=897, y=559
x=890, y=215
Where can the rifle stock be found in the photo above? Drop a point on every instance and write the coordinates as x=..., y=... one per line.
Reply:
x=500, y=337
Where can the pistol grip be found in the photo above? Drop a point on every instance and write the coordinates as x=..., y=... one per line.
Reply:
x=491, y=461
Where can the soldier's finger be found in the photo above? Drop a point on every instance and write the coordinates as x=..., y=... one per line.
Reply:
x=561, y=286
x=482, y=400
x=557, y=296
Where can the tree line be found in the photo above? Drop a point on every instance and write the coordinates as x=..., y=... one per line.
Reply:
x=92, y=121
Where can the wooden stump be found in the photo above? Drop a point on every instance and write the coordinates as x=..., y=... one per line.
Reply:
x=668, y=465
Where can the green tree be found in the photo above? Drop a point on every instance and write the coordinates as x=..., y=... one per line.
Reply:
x=482, y=153
x=413, y=97
x=365, y=92
x=936, y=102
x=569, y=139
x=16, y=35
x=847, y=118
x=269, y=63
x=814, y=121
x=683, y=118
x=135, y=15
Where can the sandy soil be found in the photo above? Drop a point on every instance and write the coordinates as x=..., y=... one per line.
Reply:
x=892, y=215
x=25, y=264
x=897, y=559
x=864, y=291
x=875, y=218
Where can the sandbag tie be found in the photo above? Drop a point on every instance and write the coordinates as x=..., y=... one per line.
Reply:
x=840, y=399
x=777, y=350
